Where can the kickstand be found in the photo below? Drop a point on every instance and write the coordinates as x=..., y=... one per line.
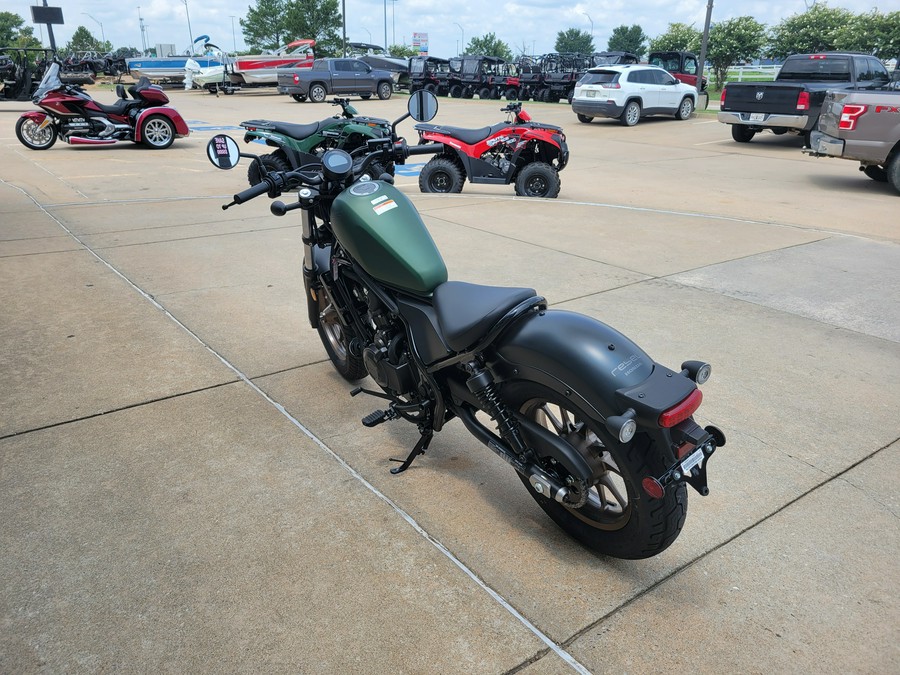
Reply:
x=420, y=448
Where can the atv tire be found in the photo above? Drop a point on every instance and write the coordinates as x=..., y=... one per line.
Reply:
x=441, y=175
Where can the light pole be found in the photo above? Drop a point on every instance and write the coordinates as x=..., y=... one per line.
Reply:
x=188, y=15
x=592, y=25
x=370, y=34
x=233, y=38
x=102, y=34
x=393, y=23
x=385, y=24
x=462, y=41
x=143, y=37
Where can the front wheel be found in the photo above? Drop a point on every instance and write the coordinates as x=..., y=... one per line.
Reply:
x=617, y=518
x=456, y=91
x=685, y=109
x=538, y=180
x=441, y=175
x=30, y=134
x=158, y=132
x=336, y=340
x=385, y=90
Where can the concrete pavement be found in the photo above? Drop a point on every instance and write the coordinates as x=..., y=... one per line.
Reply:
x=185, y=484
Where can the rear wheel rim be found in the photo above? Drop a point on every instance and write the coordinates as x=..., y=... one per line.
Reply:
x=334, y=332
x=157, y=132
x=536, y=186
x=607, y=506
x=632, y=114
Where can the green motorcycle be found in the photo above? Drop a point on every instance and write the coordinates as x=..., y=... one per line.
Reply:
x=300, y=145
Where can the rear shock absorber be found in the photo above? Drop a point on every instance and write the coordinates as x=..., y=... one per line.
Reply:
x=481, y=383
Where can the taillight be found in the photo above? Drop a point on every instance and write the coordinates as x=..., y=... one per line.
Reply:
x=296, y=79
x=611, y=85
x=850, y=115
x=722, y=97
x=803, y=101
x=679, y=413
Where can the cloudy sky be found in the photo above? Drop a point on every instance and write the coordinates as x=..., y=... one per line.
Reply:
x=532, y=24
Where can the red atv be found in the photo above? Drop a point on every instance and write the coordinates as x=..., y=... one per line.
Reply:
x=519, y=150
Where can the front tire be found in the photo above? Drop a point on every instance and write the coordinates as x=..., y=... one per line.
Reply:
x=685, y=110
x=441, y=175
x=36, y=139
x=631, y=115
x=893, y=171
x=385, y=90
x=618, y=518
x=336, y=340
x=158, y=132
x=456, y=91
x=538, y=180
x=742, y=134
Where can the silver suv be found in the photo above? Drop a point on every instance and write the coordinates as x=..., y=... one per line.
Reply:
x=629, y=92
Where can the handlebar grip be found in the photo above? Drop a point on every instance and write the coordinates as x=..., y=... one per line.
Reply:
x=428, y=149
x=251, y=192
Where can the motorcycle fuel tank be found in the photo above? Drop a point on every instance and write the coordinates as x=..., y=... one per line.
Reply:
x=382, y=230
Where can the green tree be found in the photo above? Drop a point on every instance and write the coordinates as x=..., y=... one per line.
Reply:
x=574, y=41
x=871, y=33
x=264, y=27
x=816, y=30
x=14, y=32
x=82, y=41
x=318, y=20
x=678, y=37
x=403, y=51
x=628, y=39
x=489, y=45
x=737, y=39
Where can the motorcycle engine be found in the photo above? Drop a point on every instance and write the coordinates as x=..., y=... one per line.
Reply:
x=387, y=362
x=499, y=156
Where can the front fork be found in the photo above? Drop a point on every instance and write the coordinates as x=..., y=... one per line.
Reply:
x=695, y=447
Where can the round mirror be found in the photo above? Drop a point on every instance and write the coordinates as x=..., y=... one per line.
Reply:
x=223, y=152
x=423, y=106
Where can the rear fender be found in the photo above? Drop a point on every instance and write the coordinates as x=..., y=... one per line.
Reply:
x=181, y=127
x=590, y=363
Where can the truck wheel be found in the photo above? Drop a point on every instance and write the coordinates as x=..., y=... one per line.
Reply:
x=741, y=133
x=876, y=173
x=298, y=97
x=893, y=171
x=365, y=97
x=385, y=90
x=484, y=93
x=632, y=114
x=586, y=119
x=511, y=94
x=317, y=93
x=456, y=91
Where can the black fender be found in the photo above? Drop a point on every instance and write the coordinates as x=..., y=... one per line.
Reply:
x=594, y=365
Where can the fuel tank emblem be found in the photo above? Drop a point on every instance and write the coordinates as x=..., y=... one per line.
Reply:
x=364, y=188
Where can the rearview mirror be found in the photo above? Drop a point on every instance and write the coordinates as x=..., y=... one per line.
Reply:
x=223, y=152
x=422, y=106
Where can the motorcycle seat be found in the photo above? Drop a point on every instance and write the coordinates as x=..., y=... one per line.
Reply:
x=467, y=312
x=467, y=136
x=295, y=131
x=120, y=107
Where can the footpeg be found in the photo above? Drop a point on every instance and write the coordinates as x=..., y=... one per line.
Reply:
x=375, y=418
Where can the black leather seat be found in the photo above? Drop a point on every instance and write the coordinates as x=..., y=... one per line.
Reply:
x=296, y=131
x=467, y=312
x=117, y=108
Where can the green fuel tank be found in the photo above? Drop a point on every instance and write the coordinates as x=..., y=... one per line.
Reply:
x=381, y=229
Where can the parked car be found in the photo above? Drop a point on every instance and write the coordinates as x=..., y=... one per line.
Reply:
x=630, y=92
x=862, y=126
x=335, y=76
x=792, y=102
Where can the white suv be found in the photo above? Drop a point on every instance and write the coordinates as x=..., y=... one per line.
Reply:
x=630, y=92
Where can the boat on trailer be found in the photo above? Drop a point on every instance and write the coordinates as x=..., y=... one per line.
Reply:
x=262, y=69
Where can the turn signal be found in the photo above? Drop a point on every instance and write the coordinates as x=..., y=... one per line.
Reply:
x=679, y=413
x=622, y=426
x=698, y=371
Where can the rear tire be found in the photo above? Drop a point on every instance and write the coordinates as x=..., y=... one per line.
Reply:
x=742, y=134
x=317, y=93
x=585, y=119
x=272, y=162
x=441, y=175
x=484, y=93
x=876, y=173
x=893, y=171
x=158, y=132
x=538, y=180
x=300, y=98
x=512, y=94
x=456, y=91
x=631, y=115
x=36, y=139
x=385, y=90
x=619, y=519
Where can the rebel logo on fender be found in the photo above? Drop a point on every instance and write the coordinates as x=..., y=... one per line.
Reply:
x=888, y=109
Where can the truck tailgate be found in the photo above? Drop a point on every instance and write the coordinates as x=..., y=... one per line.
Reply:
x=768, y=97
